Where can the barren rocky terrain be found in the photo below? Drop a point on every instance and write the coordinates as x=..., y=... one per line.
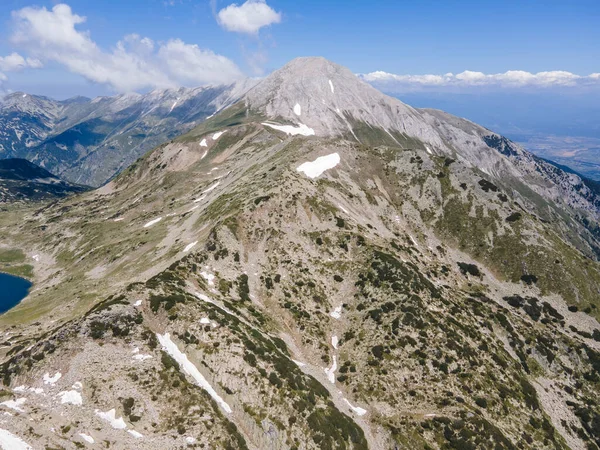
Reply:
x=318, y=266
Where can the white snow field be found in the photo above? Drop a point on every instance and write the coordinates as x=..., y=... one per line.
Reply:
x=188, y=367
x=356, y=409
x=9, y=441
x=152, y=222
x=110, y=417
x=291, y=130
x=313, y=169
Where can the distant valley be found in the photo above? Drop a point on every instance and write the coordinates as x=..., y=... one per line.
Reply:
x=562, y=128
x=581, y=154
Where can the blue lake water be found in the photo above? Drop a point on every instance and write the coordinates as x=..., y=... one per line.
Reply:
x=12, y=291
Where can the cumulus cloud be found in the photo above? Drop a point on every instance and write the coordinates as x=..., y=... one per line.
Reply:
x=15, y=62
x=134, y=63
x=248, y=18
x=512, y=78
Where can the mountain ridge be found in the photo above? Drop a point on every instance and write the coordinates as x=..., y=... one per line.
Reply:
x=90, y=140
x=247, y=286
x=23, y=181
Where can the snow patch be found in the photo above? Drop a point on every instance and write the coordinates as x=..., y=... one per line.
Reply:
x=36, y=258
x=331, y=86
x=188, y=367
x=217, y=135
x=337, y=312
x=298, y=363
x=15, y=404
x=331, y=371
x=209, y=277
x=9, y=441
x=343, y=209
x=428, y=150
x=205, y=321
x=30, y=389
x=203, y=144
x=118, y=219
x=190, y=440
x=71, y=397
x=204, y=298
x=199, y=199
x=189, y=247
x=313, y=169
x=138, y=304
x=210, y=188
x=359, y=411
x=415, y=243
x=291, y=130
x=140, y=357
x=334, y=342
x=152, y=222
x=110, y=417
x=87, y=438
x=297, y=109
x=173, y=107
x=52, y=379
x=135, y=434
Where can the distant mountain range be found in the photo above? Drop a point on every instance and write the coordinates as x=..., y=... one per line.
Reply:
x=560, y=126
x=21, y=180
x=88, y=141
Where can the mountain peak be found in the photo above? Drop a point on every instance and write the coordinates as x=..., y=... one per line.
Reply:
x=314, y=65
x=332, y=101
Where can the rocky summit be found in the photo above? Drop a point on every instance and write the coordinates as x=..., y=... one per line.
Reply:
x=317, y=266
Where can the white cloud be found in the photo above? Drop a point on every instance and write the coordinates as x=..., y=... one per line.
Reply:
x=15, y=62
x=249, y=17
x=512, y=78
x=134, y=63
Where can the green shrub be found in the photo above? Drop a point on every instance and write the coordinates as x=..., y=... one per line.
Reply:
x=243, y=288
x=470, y=269
x=481, y=402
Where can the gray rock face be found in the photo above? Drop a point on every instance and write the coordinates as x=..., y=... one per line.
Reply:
x=332, y=101
x=89, y=141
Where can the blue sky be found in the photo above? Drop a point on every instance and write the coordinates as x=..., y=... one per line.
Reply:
x=396, y=37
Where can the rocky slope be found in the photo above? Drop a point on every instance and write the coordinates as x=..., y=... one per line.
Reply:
x=89, y=141
x=289, y=276
x=22, y=181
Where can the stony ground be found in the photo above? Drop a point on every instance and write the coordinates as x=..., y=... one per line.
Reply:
x=213, y=296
